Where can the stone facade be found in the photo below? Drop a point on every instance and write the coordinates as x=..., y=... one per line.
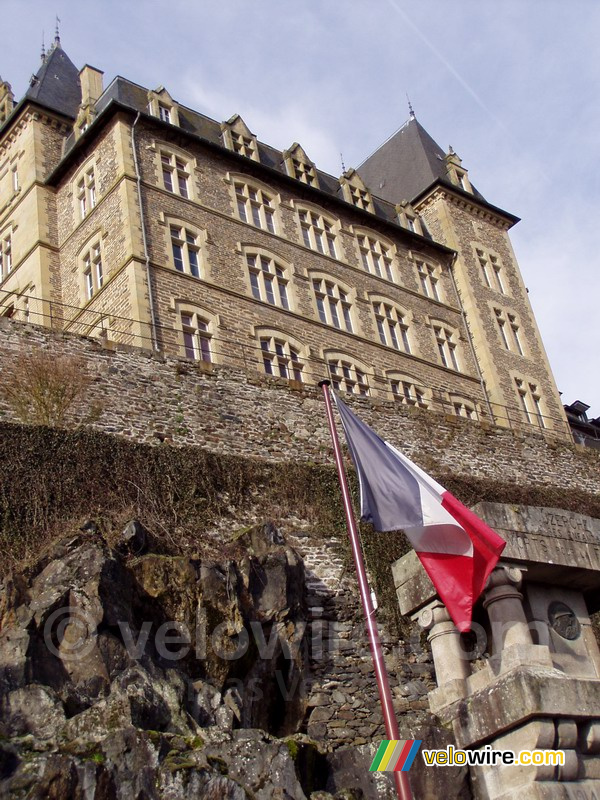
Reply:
x=403, y=312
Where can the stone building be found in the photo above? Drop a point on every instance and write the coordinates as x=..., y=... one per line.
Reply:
x=127, y=216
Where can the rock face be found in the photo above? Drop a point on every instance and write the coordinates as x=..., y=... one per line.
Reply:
x=147, y=676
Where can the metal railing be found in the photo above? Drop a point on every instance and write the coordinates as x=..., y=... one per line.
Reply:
x=115, y=330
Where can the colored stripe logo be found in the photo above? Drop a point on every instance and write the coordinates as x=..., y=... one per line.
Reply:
x=395, y=755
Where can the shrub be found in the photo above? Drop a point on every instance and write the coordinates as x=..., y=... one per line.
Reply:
x=41, y=390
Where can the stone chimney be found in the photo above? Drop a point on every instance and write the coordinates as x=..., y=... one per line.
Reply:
x=91, y=85
x=90, y=80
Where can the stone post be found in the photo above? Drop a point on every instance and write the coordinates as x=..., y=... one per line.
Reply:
x=504, y=604
x=444, y=637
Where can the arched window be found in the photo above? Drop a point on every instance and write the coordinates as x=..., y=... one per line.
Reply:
x=463, y=407
x=280, y=356
x=175, y=172
x=318, y=231
x=429, y=279
x=268, y=279
x=347, y=375
x=530, y=401
x=446, y=341
x=377, y=257
x=408, y=391
x=391, y=325
x=255, y=205
x=333, y=303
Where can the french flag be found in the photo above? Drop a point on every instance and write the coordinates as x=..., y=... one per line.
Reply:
x=457, y=549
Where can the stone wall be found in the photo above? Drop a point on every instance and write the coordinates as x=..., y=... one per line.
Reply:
x=151, y=399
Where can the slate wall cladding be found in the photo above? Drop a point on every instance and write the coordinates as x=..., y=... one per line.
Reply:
x=149, y=399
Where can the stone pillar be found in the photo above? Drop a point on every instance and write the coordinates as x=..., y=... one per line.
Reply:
x=504, y=604
x=444, y=637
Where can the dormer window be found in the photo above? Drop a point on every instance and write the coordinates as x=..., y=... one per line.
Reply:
x=355, y=191
x=162, y=105
x=299, y=165
x=408, y=217
x=164, y=113
x=238, y=137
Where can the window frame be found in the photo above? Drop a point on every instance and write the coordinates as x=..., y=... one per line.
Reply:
x=283, y=356
x=529, y=395
x=492, y=269
x=429, y=278
x=277, y=286
x=93, y=270
x=339, y=305
x=190, y=242
x=85, y=189
x=319, y=228
x=353, y=373
x=413, y=393
x=388, y=337
x=255, y=208
x=385, y=251
x=447, y=348
x=7, y=264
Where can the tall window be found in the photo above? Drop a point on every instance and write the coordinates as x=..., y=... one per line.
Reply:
x=428, y=280
x=175, y=174
x=93, y=271
x=196, y=337
x=531, y=402
x=86, y=192
x=255, y=207
x=409, y=393
x=268, y=281
x=376, y=257
x=509, y=331
x=184, y=244
x=332, y=304
x=491, y=271
x=6, y=262
x=244, y=145
x=347, y=377
x=392, y=329
x=317, y=233
x=446, y=346
x=280, y=358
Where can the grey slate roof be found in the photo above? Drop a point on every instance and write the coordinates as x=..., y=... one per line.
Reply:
x=406, y=164
x=136, y=98
x=56, y=84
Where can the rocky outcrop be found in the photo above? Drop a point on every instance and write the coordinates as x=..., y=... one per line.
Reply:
x=129, y=674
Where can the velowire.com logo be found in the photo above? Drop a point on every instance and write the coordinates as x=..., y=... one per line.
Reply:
x=395, y=755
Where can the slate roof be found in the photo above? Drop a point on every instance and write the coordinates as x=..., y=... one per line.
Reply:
x=56, y=84
x=406, y=164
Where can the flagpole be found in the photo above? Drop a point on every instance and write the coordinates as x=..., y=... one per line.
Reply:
x=385, y=696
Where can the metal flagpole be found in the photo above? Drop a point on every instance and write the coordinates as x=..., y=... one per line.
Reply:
x=385, y=696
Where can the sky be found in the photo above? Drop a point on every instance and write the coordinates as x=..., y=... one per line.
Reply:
x=511, y=85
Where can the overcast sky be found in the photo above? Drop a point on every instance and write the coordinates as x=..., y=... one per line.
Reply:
x=511, y=85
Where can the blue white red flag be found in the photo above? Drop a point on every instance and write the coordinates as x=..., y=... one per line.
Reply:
x=456, y=548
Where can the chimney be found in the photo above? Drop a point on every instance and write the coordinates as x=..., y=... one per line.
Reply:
x=91, y=85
